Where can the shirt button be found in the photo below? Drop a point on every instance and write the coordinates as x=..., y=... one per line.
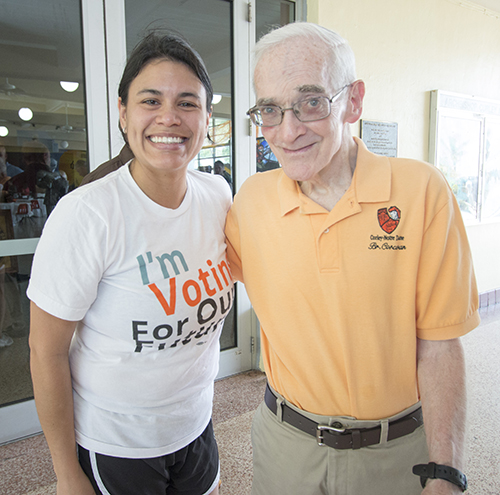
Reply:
x=327, y=230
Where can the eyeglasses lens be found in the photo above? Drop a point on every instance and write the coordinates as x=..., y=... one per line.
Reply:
x=307, y=110
x=312, y=109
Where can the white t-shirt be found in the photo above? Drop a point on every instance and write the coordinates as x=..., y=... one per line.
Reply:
x=150, y=287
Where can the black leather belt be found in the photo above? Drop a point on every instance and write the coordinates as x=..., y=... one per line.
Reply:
x=339, y=437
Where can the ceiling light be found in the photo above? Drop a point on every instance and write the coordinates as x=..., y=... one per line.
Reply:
x=25, y=113
x=3, y=131
x=69, y=86
x=216, y=99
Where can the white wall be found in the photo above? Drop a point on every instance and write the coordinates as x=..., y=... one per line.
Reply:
x=406, y=48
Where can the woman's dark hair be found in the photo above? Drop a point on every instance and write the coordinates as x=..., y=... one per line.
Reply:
x=168, y=47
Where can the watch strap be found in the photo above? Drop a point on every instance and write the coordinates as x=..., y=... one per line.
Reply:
x=440, y=471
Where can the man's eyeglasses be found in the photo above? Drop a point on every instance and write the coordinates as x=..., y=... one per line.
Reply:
x=306, y=110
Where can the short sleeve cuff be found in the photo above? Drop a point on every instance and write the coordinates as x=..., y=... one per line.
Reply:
x=452, y=331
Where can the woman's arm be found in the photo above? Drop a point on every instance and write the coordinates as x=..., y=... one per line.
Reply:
x=50, y=338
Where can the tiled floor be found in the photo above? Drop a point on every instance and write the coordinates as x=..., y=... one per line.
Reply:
x=25, y=467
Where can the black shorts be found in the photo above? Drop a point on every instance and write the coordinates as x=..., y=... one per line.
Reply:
x=193, y=470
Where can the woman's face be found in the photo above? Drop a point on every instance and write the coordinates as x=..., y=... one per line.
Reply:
x=165, y=118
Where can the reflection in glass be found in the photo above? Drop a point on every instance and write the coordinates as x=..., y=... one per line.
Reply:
x=491, y=194
x=15, y=379
x=458, y=158
x=206, y=24
x=40, y=159
x=269, y=14
x=272, y=13
x=45, y=157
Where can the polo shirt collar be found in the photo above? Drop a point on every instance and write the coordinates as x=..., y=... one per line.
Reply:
x=372, y=177
x=371, y=181
x=288, y=194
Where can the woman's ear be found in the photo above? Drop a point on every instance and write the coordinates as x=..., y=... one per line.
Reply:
x=355, y=102
x=122, y=110
x=207, y=126
x=209, y=116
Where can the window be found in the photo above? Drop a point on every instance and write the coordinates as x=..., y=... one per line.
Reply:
x=43, y=155
x=269, y=15
x=219, y=149
x=465, y=146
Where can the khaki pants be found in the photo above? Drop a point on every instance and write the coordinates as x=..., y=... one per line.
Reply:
x=287, y=461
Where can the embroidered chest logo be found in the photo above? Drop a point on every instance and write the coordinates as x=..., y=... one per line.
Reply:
x=389, y=218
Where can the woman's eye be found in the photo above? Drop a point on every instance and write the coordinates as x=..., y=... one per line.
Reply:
x=150, y=102
x=188, y=104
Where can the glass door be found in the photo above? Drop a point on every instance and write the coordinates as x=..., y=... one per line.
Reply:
x=270, y=13
x=208, y=26
x=43, y=155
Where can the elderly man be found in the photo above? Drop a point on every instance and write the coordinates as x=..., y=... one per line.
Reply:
x=359, y=270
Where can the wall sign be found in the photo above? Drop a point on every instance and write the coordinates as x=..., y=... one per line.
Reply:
x=380, y=137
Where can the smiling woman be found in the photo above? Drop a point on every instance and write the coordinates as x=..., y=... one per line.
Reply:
x=145, y=297
x=165, y=121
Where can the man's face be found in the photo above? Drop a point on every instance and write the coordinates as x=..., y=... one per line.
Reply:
x=288, y=73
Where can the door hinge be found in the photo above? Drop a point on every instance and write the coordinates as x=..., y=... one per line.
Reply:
x=249, y=12
x=252, y=345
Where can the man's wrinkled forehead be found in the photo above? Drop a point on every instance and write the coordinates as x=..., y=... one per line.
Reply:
x=305, y=89
x=295, y=64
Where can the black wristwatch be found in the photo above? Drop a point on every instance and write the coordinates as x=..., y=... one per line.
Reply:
x=438, y=471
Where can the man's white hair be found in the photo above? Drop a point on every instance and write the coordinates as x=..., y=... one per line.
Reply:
x=342, y=61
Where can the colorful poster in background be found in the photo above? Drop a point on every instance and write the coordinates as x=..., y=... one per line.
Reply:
x=265, y=157
x=74, y=164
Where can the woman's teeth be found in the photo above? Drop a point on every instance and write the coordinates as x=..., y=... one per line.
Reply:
x=166, y=140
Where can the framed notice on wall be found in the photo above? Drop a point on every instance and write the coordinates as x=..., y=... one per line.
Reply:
x=380, y=137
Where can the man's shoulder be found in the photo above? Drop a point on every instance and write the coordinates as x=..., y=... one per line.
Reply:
x=261, y=180
x=416, y=170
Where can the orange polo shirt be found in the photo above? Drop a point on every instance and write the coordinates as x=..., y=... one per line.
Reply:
x=342, y=295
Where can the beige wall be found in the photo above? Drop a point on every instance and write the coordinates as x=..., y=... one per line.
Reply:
x=406, y=48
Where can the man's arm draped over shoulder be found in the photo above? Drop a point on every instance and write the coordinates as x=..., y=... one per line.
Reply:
x=233, y=245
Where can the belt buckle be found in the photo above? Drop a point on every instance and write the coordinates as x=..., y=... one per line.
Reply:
x=321, y=428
